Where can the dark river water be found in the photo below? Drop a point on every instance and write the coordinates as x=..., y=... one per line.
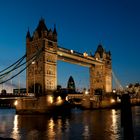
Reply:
x=79, y=125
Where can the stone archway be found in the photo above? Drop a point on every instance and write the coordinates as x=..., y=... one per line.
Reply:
x=36, y=89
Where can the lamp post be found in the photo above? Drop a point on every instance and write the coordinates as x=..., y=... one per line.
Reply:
x=33, y=63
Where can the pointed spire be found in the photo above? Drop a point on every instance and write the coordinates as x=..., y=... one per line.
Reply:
x=50, y=34
x=100, y=50
x=54, y=30
x=41, y=27
x=109, y=53
x=50, y=31
x=28, y=34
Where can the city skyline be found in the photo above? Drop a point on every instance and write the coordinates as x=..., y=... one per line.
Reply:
x=81, y=26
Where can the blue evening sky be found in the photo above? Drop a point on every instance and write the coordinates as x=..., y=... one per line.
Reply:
x=81, y=26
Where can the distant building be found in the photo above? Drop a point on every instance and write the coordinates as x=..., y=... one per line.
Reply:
x=21, y=91
x=71, y=84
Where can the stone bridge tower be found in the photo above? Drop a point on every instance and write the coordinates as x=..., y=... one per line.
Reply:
x=101, y=75
x=41, y=75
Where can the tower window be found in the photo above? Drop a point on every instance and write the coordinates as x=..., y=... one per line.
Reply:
x=50, y=43
x=108, y=62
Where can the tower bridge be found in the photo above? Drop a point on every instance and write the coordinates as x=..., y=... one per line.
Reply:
x=43, y=74
x=42, y=54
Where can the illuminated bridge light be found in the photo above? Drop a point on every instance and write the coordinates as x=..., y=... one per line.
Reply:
x=50, y=99
x=71, y=51
x=112, y=100
x=67, y=98
x=33, y=62
x=59, y=100
x=85, y=54
x=16, y=103
x=86, y=92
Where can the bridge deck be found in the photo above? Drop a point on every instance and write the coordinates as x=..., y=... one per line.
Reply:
x=77, y=58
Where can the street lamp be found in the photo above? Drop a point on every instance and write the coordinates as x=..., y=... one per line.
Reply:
x=86, y=92
x=114, y=90
x=33, y=63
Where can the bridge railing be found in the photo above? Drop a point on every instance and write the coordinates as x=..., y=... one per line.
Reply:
x=17, y=95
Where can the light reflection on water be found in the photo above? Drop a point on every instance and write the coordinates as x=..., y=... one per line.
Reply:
x=115, y=127
x=15, y=132
x=79, y=125
x=51, y=133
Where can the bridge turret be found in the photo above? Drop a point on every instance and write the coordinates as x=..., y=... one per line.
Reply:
x=43, y=32
x=102, y=73
x=41, y=75
x=41, y=27
x=100, y=52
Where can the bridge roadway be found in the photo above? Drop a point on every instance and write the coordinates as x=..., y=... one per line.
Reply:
x=10, y=101
x=15, y=96
x=77, y=58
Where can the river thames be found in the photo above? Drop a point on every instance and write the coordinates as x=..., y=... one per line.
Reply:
x=79, y=125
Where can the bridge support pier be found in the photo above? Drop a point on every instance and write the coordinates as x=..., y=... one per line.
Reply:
x=91, y=71
x=89, y=102
x=38, y=105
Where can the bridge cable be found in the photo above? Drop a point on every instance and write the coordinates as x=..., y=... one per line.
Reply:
x=17, y=66
x=119, y=86
x=14, y=67
x=13, y=64
x=33, y=58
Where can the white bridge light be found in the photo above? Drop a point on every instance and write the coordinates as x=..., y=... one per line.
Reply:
x=71, y=51
x=59, y=100
x=112, y=100
x=85, y=54
x=67, y=98
x=16, y=103
x=86, y=92
x=114, y=90
x=50, y=99
x=33, y=62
